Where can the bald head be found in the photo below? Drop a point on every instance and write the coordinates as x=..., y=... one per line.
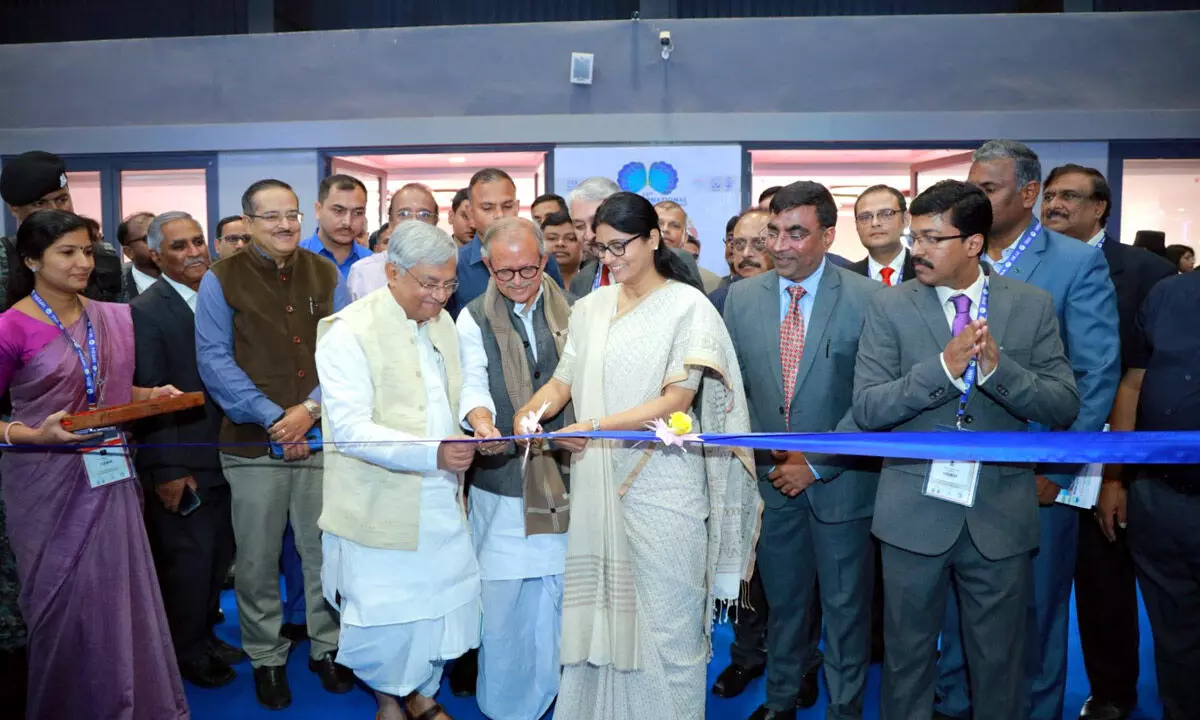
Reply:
x=413, y=201
x=515, y=254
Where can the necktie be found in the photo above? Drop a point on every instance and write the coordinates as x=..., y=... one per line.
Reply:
x=886, y=273
x=791, y=344
x=604, y=279
x=962, y=313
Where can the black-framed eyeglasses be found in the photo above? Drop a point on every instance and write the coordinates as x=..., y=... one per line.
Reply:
x=866, y=218
x=758, y=244
x=616, y=248
x=275, y=218
x=447, y=287
x=934, y=240
x=528, y=272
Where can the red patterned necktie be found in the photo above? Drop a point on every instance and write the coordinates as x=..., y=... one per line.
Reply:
x=791, y=345
x=886, y=273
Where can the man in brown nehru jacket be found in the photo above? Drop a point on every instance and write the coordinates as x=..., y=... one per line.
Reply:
x=256, y=332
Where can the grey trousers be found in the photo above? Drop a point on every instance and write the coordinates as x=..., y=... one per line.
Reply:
x=993, y=600
x=266, y=493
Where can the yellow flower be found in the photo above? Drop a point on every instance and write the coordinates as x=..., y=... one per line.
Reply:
x=681, y=423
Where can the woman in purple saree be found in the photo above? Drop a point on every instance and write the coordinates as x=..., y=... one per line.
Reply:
x=99, y=646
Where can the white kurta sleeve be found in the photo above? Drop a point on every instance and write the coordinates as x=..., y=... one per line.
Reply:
x=348, y=400
x=476, y=391
x=566, y=361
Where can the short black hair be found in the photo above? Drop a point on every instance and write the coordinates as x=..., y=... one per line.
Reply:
x=1100, y=189
x=555, y=219
x=551, y=197
x=460, y=197
x=488, y=175
x=339, y=182
x=225, y=221
x=804, y=193
x=1175, y=253
x=692, y=238
x=969, y=207
x=733, y=221
x=257, y=187
x=769, y=192
x=126, y=226
x=883, y=188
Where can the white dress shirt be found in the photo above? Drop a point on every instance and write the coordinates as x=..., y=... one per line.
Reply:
x=874, y=269
x=189, y=295
x=380, y=586
x=975, y=292
x=498, y=521
x=142, y=281
x=367, y=275
x=1096, y=238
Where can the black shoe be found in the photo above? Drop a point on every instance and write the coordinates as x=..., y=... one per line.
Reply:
x=219, y=618
x=293, y=632
x=1097, y=709
x=225, y=652
x=271, y=687
x=334, y=678
x=207, y=671
x=733, y=680
x=464, y=674
x=766, y=713
x=809, y=690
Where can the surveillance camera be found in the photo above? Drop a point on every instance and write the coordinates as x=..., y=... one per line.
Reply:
x=664, y=38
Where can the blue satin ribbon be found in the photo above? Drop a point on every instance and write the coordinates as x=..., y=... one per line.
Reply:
x=1135, y=448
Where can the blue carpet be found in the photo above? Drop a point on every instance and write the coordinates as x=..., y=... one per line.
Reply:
x=310, y=702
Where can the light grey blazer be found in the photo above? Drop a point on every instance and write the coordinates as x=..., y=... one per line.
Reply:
x=899, y=384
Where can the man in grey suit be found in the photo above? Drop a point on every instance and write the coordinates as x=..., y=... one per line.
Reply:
x=796, y=332
x=923, y=345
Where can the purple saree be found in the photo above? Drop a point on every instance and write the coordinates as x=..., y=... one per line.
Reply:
x=99, y=646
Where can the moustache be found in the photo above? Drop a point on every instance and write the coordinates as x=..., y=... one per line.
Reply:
x=749, y=264
x=922, y=262
x=194, y=261
x=1057, y=214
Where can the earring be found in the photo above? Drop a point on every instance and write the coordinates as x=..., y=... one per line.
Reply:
x=35, y=268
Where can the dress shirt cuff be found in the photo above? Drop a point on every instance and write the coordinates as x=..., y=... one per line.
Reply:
x=267, y=412
x=812, y=469
x=957, y=382
x=431, y=460
x=315, y=395
x=984, y=378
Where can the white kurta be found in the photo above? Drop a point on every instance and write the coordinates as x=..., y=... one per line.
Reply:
x=367, y=275
x=522, y=576
x=403, y=613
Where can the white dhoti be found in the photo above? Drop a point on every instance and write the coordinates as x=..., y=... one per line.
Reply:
x=522, y=609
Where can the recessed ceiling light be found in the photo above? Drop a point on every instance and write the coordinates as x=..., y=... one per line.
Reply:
x=458, y=160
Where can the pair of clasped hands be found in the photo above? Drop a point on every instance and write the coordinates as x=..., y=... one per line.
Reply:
x=457, y=456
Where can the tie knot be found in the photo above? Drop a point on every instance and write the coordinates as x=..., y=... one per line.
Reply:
x=962, y=303
x=796, y=291
x=886, y=273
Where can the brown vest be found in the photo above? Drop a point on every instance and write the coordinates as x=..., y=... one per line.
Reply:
x=275, y=315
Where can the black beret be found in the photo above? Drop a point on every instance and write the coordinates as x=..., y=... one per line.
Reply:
x=31, y=176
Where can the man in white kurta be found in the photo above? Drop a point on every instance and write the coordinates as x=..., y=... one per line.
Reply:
x=520, y=541
x=399, y=563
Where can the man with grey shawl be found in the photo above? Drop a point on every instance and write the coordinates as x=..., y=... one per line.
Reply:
x=510, y=339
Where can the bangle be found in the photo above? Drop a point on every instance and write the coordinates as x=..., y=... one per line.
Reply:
x=9, y=428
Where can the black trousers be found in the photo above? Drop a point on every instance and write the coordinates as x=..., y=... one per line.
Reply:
x=1107, y=608
x=192, y=555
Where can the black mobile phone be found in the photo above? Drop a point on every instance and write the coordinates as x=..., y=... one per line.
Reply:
x=189, y=502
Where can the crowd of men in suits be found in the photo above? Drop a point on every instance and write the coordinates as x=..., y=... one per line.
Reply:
x=969, y=313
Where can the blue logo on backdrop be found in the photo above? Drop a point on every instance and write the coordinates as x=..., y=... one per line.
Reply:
x=661, y=177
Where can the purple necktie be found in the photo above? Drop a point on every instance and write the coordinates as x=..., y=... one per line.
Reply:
x=962, y=313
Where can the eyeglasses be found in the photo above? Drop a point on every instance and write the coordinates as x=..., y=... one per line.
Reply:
x=432, y=288
x=793, y=235
x=528, y=272
x=276, y=218
x=758, y=244
x=235, y=238
x=406, y=214
x=866, y=218
x=616, y=248
x=934, y=240
x=1068, y=196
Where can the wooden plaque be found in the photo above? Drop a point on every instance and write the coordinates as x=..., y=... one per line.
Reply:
x=118, y=414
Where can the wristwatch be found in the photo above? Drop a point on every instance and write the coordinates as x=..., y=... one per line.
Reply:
x=313, y=408
x=595, y=425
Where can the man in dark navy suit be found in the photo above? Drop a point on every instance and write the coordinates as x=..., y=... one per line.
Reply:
x=880, y=216
x=1076, y=202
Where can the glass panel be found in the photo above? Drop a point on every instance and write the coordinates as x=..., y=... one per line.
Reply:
x=160, y=191
x=85, y=195
x=927, y=178
x=1162, y=195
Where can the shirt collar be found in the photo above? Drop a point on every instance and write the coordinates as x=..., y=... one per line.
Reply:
x=519, y=308
x=185, y=292
x=314, y=244
x=809, y=283
x=897, y=264
x=1096, y=238
x=973, y=291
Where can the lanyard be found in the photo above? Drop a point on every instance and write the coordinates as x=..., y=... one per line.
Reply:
x=599, y=275
x=91, y=370
x=971, y=371
x=1100, y=242
x=1026, y=239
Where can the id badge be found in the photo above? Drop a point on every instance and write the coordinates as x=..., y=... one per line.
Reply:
x=107, y=460
x=953, y=481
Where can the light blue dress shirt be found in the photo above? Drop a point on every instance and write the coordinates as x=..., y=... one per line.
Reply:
x=807, y=300
x=357, y=252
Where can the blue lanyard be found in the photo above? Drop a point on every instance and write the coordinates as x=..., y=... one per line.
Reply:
x=971, y=371
x=91, y=370
x=1100, y=242
x=1026, y=239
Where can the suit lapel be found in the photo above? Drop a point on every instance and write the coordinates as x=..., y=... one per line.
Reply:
x=926, y=300
x=1027, y=264
x=999, y=308
x=766, y=307
x=829, y=291
x=177, y=306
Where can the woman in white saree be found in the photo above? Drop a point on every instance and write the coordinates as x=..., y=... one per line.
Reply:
x=657, y=535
